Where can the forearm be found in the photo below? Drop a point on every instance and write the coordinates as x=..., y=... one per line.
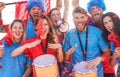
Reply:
x=75, y=3
x=67, y=55
x=113, y=62
x=60, y=54
x=69, y=52
x=28, y=70
x=107, y=51
x=18, y=50
x=101, y=58
x=59, y=4
x=66, y=10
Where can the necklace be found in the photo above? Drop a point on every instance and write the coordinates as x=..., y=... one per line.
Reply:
x=84, y=51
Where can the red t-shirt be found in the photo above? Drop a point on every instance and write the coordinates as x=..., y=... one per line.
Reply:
x=107, y=68
x=116, y=40
x=1, y=22
x=36, y=51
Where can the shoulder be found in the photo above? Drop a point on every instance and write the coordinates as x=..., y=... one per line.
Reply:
x=72, y=31
x=94, y=29
x=3, y=42
x=30, y=40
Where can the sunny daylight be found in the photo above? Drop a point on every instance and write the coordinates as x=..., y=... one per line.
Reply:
x=59, y=38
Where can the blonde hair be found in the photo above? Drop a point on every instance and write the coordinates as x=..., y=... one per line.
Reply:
x=10, y=28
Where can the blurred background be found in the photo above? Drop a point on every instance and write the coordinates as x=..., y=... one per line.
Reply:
x=8, y=14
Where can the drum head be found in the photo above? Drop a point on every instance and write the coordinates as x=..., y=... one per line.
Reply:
x=80, y=68
x=44, y=60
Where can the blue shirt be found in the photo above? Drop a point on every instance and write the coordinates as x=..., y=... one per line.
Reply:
x=30, y=32
x=95, y=44
x=13, y=66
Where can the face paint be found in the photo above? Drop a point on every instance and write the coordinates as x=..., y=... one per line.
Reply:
x=42, y=27
x=39, y=27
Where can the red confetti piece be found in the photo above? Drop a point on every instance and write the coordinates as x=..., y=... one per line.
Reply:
x=0, y=66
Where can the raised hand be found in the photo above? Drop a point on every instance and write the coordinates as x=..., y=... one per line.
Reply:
x=2, y=6
x=116, y=52
x=70, y=51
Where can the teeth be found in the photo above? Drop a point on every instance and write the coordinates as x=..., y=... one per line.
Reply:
x=42, y=30
x=35, y=14
x=96, y=14
x=110, y=28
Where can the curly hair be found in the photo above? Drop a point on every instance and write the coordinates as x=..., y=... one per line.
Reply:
x=99, y=3
x=39, y=3
x=116, y=23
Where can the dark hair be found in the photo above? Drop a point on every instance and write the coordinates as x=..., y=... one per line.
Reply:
x=99, y=3
x=116, y=23
x=49, y=14
x=116, y=29
x=38, y=3
x=79, y=10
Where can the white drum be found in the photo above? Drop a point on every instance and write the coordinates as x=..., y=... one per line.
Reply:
x=45, y=66
x=81, y=71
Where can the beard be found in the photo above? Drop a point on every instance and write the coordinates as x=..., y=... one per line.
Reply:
x=96, y=19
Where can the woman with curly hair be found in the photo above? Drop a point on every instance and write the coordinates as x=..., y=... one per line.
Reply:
x=111, y=31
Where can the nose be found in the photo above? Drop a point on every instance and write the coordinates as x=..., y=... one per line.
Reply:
x=95, y=9
x=41, y=27
x=36, y=10
x=109, y=24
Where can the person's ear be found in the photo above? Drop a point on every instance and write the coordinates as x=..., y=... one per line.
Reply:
x=88, y=19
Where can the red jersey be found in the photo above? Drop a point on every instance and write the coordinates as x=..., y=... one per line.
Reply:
x=107, y=68
x=36, y=51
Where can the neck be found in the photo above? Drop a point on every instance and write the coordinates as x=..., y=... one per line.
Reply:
x=43, y=37
x=17, y=40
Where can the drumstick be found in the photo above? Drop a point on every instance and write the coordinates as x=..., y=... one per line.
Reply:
x=16, y=2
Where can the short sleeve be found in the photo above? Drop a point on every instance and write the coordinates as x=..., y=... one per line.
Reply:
x=66, y=42
x=102, y=43
x=29, y=61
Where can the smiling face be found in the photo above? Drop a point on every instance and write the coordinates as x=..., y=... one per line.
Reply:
x=80, y=21
x=35, y=13
x=96, y=13
x=108, y=23
x=42, y=27
x=17, y=31
x=55, y=15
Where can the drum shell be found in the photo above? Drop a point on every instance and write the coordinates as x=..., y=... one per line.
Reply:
x=92, y=74
x=46, y=71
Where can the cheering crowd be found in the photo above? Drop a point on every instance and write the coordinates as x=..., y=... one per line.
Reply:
x=95, y=40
